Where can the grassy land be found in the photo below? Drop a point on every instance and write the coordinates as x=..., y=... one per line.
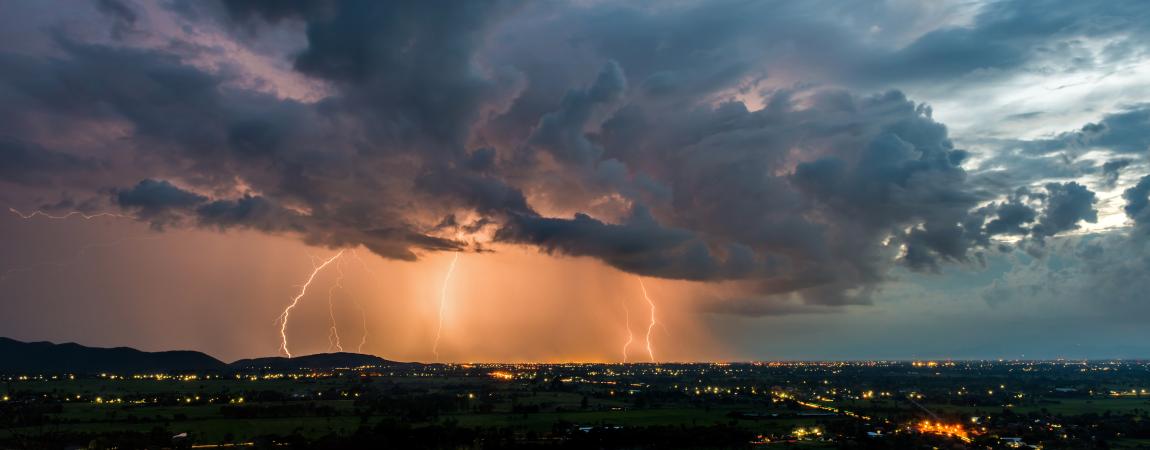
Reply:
x=208, y=425
x=212, y=429
x=1067, y=407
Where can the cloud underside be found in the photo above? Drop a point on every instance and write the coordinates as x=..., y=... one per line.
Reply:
x=629, y=141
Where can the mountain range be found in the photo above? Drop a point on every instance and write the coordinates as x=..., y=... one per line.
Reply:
x=17, y=357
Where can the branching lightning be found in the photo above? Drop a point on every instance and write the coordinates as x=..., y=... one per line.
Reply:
x=70, y=214
x=630, y=334
x=654, y=322
x=283, y=318
x=442, y=304
x=333, y=334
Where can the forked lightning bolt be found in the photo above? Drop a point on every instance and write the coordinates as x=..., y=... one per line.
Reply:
x=333, y=333
x=442, y=304
x=630, y=334
x=283, y=318
x=651, y=326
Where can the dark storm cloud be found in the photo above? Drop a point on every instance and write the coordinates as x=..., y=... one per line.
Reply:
x=622, y=117
x=482, y=193
x=1011, y=218
x=1126, y=131
x=123, y=16
x=1111, y=169
x=28, y=163
x=248, y=211
x=1067, y=204
x=639, y=245
x=871, y=169
x=407, y=64
x=561, y=132
x=1004, y=36
x=906, y=166
x=693, y=49
x=1058, y=208
x=1064, y=156
x=1138, y=205
x=155, y=200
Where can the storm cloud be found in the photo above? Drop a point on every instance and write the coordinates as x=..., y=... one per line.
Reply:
x=656, y=139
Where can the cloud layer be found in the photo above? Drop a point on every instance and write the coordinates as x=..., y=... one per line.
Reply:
x=755, y=143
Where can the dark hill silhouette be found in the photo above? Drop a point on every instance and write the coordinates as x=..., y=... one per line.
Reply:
x=316, y=361
x=46, y=357
x=18, y=357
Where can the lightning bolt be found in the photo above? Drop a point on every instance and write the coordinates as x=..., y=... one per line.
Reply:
x=358, y=305
x=283, y=318
x=630, y=334
x=70, y=214
x=651, y=326
x=79, y=253
x=442, y=303
x=333, y=334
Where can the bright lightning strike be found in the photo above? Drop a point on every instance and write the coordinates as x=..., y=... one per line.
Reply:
x=71, y=214
x=283, y=319
x=333, y=333
x=630, y=334
x=442, y=303
x=651, y=326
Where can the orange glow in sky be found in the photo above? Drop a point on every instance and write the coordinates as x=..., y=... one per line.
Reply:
x=215, y=291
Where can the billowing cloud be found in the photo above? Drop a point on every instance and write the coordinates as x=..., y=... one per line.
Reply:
x=1112, y=169
x=1066, y=205
x=151, y=199
x=655, y=138
x=1138, y=205
x=26, y=163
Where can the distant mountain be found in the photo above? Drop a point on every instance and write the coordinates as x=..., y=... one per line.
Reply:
x=45, y=357
x=317, y=361
x=18, y=357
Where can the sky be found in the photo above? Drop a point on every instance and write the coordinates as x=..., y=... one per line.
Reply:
x=578, y=181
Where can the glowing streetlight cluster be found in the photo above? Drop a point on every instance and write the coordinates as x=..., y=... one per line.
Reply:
x=942, y=429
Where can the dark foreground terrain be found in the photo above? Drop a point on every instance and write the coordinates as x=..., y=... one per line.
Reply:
x=864, y=405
